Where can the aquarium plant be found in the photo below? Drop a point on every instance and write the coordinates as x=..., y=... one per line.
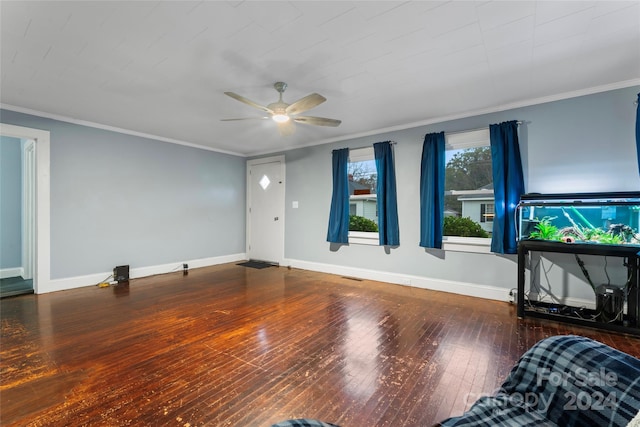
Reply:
x=582, y=231
x=545, y=230
x=600, y=236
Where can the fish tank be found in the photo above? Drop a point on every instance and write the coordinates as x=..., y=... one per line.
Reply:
x=589, y=218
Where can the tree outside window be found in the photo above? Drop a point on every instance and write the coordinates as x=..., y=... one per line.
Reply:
x=362, y=190
x=466, y=170
x=469, y=182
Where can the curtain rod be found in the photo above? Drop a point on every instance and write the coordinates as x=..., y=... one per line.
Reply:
x=519, y=122
x=371, y=146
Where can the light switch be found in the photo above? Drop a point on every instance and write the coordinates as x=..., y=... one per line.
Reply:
x=294, y=205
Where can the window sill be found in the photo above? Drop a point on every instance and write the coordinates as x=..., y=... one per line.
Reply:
x=478, y=245
x=449, y=243
x=364, y=238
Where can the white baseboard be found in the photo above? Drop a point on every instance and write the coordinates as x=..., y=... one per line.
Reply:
x=135, y=273
x=461, y=288
x=11, y=272
x=573, y=302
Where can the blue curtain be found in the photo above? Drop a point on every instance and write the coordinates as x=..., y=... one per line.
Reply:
x=508, y=185
x=388, y=229
x=432, y=190
x=339, y=215
x=638, y=130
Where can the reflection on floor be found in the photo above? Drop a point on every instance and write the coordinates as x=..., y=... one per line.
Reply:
x=11, y=286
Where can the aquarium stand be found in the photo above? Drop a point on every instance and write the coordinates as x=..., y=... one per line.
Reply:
x=630, y=321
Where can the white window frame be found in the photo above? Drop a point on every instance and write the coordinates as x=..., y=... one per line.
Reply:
x=461, y=141
x=487, y=216
x=362, y=237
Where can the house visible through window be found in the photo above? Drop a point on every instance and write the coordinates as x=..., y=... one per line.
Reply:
x=469, y=183
x=487, y=212
x=363, y=208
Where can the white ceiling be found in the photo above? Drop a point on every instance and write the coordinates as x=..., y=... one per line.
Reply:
x=160, y=68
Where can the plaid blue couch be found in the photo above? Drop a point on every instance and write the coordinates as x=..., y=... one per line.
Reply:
x=303, y=422
x=562, y=381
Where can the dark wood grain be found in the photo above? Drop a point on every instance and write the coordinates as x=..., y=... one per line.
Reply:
x=234, y=346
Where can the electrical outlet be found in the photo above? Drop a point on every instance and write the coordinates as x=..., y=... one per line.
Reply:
x=185, y=266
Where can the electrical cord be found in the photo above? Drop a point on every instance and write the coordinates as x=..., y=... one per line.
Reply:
x=540, y=289
x=526, y=295
x=182, y=266
x=577, y=312
x=543, y=293
x=104, y=283
x=585, y=272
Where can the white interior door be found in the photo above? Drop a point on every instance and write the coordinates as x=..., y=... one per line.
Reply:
x=265, y=209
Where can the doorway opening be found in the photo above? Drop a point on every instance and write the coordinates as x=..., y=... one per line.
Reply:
x=17, y=190
x=25, y=215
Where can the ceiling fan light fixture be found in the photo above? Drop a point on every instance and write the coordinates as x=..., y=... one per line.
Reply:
x=286, y=115
x=280, y=118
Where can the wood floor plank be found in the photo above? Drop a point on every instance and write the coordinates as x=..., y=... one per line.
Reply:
x=234, y=346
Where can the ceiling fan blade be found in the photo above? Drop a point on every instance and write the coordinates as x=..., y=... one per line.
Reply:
x=287, y=128
x=306, y=103
x=317, y=121
x=244, y=118
x=248, y=102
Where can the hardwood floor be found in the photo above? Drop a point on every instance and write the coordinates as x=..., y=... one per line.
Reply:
x=235, y=346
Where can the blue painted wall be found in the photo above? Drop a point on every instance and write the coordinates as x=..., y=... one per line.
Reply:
x=10, y=203
x=121, y=199
x=582, y=144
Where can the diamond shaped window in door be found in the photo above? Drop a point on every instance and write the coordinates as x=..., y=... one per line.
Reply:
x=264, y=182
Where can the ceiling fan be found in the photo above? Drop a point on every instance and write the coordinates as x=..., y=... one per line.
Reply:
x=286, y=114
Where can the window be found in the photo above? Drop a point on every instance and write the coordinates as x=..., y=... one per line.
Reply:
x=468, y=188
x=487, y=212
x=363, y=209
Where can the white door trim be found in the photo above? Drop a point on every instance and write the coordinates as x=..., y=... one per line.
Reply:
x=28, y=207
x=254, y=162
x=42, y=279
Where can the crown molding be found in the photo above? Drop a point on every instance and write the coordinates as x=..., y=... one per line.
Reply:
x=473, y=113
x=441, y=119
x=79, y=122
